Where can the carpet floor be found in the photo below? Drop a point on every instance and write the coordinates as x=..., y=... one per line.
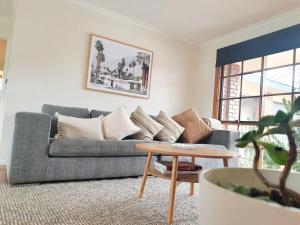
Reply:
x=101, y=202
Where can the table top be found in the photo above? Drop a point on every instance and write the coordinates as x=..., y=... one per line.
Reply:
x=191, y=150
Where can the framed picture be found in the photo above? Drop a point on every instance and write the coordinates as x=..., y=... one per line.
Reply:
x=118, y=68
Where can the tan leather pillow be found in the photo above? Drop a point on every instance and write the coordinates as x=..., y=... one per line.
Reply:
x=195, y=128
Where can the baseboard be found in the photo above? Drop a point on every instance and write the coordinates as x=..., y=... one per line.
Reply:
x=3, y=162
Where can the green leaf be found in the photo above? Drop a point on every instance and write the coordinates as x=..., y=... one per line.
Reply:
x=296, y=105
x=246, y=139
x=242, y=190
x=278, y=154
x=246, y=136
x=275, y=130
x=267, y=121
x=242, y=144
x=260, y=131
x=281, y=117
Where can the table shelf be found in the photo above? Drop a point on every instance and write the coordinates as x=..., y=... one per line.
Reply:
x=190, y=178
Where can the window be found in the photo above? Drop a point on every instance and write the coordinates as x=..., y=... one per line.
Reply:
x=254, y=88
x=257, y=87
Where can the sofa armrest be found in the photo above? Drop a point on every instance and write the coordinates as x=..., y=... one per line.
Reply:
x=224, y=137
x=30, y=144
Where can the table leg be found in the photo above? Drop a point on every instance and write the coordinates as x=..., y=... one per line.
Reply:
x=225, y=162
x=172, y=189
x=192, y=187
x=146, y=171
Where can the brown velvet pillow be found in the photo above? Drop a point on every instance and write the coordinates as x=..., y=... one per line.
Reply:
x=196, y=129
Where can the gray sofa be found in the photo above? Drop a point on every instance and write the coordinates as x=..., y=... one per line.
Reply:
x=38, y=157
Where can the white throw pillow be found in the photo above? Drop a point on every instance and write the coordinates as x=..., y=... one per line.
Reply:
x=72, y=127
x=118, y=125
x=213, y=123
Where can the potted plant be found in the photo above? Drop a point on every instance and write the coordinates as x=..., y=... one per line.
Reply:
x=234, y=196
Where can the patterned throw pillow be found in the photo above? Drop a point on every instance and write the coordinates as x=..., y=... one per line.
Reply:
x=171, y=131
x=196, y=129
x=149, y=127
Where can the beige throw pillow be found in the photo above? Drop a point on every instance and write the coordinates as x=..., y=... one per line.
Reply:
x=72, y=127
x=195, y=128
x=118, y=125
x=171, y=131
x=149, y=127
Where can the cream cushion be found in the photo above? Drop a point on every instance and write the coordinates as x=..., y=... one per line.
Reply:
x=73, y=128
x=118, y=125
x=149, y=127
x=171, y=131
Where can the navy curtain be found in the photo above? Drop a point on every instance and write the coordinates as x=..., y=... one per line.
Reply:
x=278, y=41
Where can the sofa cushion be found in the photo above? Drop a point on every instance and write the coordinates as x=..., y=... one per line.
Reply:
x=196, y=129
x=74, y=128
x=66, y=111
x=93, y=148
x=149, y=127
x=213, y=123
x=118, y=125
x=171, y=131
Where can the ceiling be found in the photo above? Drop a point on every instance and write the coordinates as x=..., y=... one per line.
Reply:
x=196, y=21
x=6, y=10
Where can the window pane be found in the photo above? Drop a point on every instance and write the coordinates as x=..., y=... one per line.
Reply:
x=278, y=80
x=251, y=84
x=247, y=154
x=272, y=104
x=231, y=127
x=297, y=78
x=279, y=59
x=298, y=55
x=297, y=114
x=252, y=65
x=232, y=69
x=250, y=109
x=230, y=110
x=245, y=128
x=231, y=87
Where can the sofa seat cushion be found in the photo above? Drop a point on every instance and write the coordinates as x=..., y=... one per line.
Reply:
x=93, y=148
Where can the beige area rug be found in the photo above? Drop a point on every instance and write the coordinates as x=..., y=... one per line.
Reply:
x=101, y=202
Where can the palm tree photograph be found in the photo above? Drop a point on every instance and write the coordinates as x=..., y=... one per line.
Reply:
x=119, y=68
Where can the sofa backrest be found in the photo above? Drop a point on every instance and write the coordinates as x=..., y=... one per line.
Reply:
x=96, y=113
x=66, y=111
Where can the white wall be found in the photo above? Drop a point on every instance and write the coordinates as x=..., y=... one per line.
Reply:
x=6, y=30
x=49, y=60
x=204, y=89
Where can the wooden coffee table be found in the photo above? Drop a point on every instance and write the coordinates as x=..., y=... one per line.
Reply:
x=176, y=150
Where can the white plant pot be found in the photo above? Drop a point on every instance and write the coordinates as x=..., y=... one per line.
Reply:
x=219, y=206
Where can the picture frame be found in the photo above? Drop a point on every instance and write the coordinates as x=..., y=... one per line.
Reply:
x=118, y=68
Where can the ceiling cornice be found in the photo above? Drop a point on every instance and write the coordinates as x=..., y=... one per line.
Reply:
x=280, y=21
